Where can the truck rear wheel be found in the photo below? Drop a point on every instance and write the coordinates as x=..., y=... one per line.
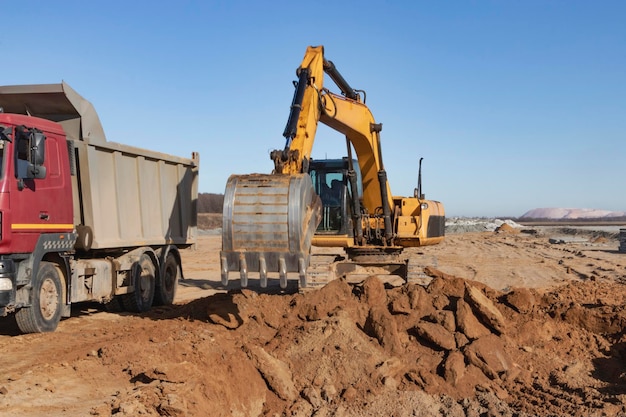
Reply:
x=166, y=288
x=144, y=281
x=47, y=301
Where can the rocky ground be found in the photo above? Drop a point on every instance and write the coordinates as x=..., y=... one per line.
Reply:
x=509, y=322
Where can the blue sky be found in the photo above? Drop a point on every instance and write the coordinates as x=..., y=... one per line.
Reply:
x=513, y=105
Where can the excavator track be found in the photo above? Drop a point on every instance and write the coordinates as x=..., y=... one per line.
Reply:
x=415, y=273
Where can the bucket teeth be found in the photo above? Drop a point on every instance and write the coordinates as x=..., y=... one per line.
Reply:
x=282, y=272
x=302, y=272
x=263, y=272
x=224, y=268
x=243, y=270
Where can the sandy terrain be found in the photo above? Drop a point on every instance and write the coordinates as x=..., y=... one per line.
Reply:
x=510, y=324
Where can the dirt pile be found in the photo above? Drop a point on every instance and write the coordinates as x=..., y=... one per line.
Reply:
x=506, y=228
x=343, y=349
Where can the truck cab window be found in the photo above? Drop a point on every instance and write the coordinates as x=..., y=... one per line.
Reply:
x=5, y=136
x=21, y=151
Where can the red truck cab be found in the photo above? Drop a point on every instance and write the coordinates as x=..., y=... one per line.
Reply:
x=35, y=200
x=35, y=195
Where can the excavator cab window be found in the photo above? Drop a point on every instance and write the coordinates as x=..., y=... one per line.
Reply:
x=329, y=179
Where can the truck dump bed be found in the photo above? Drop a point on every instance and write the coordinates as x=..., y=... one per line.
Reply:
x=134, y=197
x=127, y=196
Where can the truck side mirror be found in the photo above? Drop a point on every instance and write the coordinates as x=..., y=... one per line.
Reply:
x=38, y=148
x=35, y=168
x=30, y=155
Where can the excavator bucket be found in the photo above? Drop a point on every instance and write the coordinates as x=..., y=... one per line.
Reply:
x=268, y=225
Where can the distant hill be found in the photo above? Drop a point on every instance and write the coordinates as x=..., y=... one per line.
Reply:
x=571, y=213
x=210, y=203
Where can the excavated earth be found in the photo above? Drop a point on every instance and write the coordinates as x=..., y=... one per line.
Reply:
x=503, y=323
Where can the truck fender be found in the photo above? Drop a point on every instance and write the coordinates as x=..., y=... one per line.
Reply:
x=143, y=264
x=51, y=247
x=135, y=254
x=173, y=250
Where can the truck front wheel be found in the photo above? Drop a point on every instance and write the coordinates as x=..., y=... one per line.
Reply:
x=47, y=301
x=144, y=282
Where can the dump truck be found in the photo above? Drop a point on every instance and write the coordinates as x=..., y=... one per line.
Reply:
x=82, y=218
x=270, y=221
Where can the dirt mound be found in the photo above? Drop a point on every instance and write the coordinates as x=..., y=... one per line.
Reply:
x=349, y=347
x=506, y=228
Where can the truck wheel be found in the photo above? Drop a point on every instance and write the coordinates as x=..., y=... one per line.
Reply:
x=47, y=296
x=144, y=281
x=166, y=287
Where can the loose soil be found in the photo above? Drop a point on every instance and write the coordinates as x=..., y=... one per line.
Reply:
x=505, y=324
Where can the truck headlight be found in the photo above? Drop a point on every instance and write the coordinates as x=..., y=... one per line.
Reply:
x=6, y=284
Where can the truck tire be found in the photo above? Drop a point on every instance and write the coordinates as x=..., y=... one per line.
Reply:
x=166, y=286
x=144, y=282
x=47, y=295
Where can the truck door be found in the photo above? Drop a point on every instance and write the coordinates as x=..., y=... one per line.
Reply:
x=41, y=197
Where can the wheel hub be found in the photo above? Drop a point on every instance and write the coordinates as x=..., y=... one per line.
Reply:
x=48, y=297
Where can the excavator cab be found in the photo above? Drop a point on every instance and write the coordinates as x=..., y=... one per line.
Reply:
x=330, y=181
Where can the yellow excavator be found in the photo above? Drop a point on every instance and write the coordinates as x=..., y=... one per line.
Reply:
x=270, y=221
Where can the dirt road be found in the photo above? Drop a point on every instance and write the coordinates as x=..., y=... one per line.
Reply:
x=510, y=325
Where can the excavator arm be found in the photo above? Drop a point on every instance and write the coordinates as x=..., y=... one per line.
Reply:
x=345, y=113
